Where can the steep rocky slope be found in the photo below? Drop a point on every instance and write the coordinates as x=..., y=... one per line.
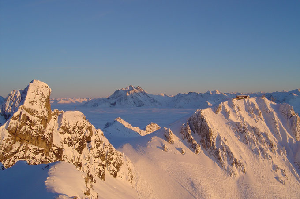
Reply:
x=38, y=135
x=246, y=148
x=231, y=130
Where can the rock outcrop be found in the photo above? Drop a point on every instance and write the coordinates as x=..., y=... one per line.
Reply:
x=38, y=135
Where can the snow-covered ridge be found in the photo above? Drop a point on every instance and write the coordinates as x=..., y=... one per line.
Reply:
x=38, y=135
x=233, y=131
x=121, y=128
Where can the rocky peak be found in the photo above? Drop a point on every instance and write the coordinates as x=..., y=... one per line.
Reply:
x=130, y=90
x=35, y=98
x=38, y=98
x=39, y=136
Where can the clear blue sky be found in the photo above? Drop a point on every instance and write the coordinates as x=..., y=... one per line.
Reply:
x=90, y=48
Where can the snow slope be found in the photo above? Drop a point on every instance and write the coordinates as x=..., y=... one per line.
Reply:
x=56, y=180
x=237, y=149
x=25, y=181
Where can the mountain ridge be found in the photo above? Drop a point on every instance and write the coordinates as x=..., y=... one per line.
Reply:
x=137, y=97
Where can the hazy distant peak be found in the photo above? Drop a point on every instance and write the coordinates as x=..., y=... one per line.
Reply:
x=132, y=88
x=36, y=81
x=214, y=92
x=297, y=91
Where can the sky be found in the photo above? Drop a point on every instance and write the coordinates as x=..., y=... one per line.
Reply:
x=90, y=48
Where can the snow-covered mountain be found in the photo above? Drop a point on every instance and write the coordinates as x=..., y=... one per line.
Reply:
x=131, y=97
x=254, y=125
x=38, y=135
x=137, y=97
x=198, y=100
x=126, y=97
x=230, y=148
x=56, y=180
x=246, y=148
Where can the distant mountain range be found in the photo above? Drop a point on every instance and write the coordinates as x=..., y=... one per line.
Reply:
x=131, y=96
x=137, y=97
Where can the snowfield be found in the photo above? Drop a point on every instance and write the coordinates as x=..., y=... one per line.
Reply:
x=138, y=145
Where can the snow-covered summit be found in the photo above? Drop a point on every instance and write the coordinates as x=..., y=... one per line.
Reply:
x=126, y=97
x=130, y=90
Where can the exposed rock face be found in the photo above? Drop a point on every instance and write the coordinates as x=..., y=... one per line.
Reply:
x=205, y=138
x=150, y=128
x=169, y=135
x=38, y=135
x=293, y=119
x=263, y=127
